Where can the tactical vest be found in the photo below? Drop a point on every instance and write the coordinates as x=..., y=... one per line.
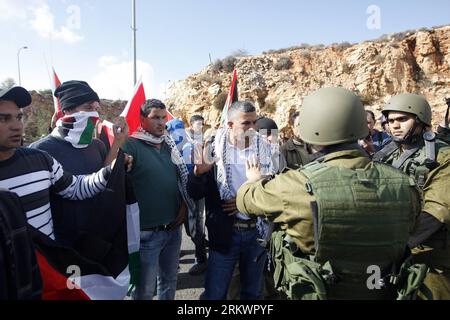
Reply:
x=295, y=158
x=361, y=220
x=416, y=165
x=436, y=250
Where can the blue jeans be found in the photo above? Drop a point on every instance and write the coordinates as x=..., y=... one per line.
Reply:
x=160, y=255
x=251, y=257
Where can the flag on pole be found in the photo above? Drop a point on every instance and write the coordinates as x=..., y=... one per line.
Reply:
x=232, y=97
x=132, y=110
x=105, y=133
x=169, y=116
x=56, y=103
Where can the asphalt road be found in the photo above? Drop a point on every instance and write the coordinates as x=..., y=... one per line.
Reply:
x=188, y=287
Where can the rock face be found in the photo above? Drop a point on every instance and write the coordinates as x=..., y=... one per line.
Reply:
x=417, y=62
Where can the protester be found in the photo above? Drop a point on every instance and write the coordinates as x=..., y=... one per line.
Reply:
x=72, y=144
x=159, y=177
x=233, y=237
x=32, y=174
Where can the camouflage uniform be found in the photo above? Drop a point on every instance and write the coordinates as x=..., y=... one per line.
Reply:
x=432, y=175
x=337, y=228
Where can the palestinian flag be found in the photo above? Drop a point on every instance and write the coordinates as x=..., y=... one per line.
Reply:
x=169, y=116
x=96, y=267
x=105, y=133
x=132, y=110
x=78, y=128
x=232, y=97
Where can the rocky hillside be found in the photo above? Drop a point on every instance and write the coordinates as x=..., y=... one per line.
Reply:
x=277, y=81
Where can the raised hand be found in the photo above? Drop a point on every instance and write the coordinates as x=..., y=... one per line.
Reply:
x=253, y=167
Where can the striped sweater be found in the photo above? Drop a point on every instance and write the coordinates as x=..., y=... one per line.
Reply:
x=33, y=174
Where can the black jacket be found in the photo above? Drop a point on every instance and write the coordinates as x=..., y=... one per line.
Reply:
x=218, y=223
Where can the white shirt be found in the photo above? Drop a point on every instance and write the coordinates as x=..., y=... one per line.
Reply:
x=238, y=159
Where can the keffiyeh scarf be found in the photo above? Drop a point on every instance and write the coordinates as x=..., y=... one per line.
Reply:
x=258, y=147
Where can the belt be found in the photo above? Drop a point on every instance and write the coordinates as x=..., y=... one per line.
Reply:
x=245, y=224
x=163, y=227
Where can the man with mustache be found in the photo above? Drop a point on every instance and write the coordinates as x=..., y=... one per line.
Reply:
x=159, y=177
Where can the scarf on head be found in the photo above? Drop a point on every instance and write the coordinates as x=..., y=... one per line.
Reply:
x=259, y=147
x=182, y=171
x=77, y=129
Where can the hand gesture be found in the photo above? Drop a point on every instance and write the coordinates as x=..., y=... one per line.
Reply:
x=253, y=167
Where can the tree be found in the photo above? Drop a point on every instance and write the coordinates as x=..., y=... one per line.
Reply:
x=8, y=83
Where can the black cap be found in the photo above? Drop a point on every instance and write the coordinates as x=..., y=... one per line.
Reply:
x=72, y=94
x=266, y=123
x=20, y=96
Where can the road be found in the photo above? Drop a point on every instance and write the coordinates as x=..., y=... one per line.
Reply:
x=188, y=287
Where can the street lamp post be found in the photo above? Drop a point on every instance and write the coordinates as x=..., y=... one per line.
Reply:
x=133, y=28
x=18, y=62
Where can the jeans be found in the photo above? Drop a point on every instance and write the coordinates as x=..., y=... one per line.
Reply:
x=160, y=255
x=252, y=259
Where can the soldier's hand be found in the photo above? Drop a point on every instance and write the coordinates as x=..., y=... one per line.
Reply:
x=253, y=171
x=230, y=207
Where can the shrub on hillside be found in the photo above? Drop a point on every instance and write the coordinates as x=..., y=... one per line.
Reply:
x=284, y=63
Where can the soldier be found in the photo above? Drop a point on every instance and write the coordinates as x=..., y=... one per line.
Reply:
x=294, y=150
x=443, y=131
x=342, y=215
x=416, y=151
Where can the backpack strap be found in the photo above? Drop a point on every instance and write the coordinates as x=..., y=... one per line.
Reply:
x=385, y=152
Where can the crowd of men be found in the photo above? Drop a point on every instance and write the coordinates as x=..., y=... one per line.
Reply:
x=306, y=218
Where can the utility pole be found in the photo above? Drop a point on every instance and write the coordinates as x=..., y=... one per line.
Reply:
x=18, y=63
x=133, y=28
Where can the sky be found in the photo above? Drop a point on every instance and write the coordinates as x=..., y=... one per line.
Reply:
x=91, y=40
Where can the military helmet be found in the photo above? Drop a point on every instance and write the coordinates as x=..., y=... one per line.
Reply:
x=332, y=116
x=410, y=103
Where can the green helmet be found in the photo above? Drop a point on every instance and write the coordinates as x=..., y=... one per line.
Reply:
x=332, y=116
x=410, y=103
